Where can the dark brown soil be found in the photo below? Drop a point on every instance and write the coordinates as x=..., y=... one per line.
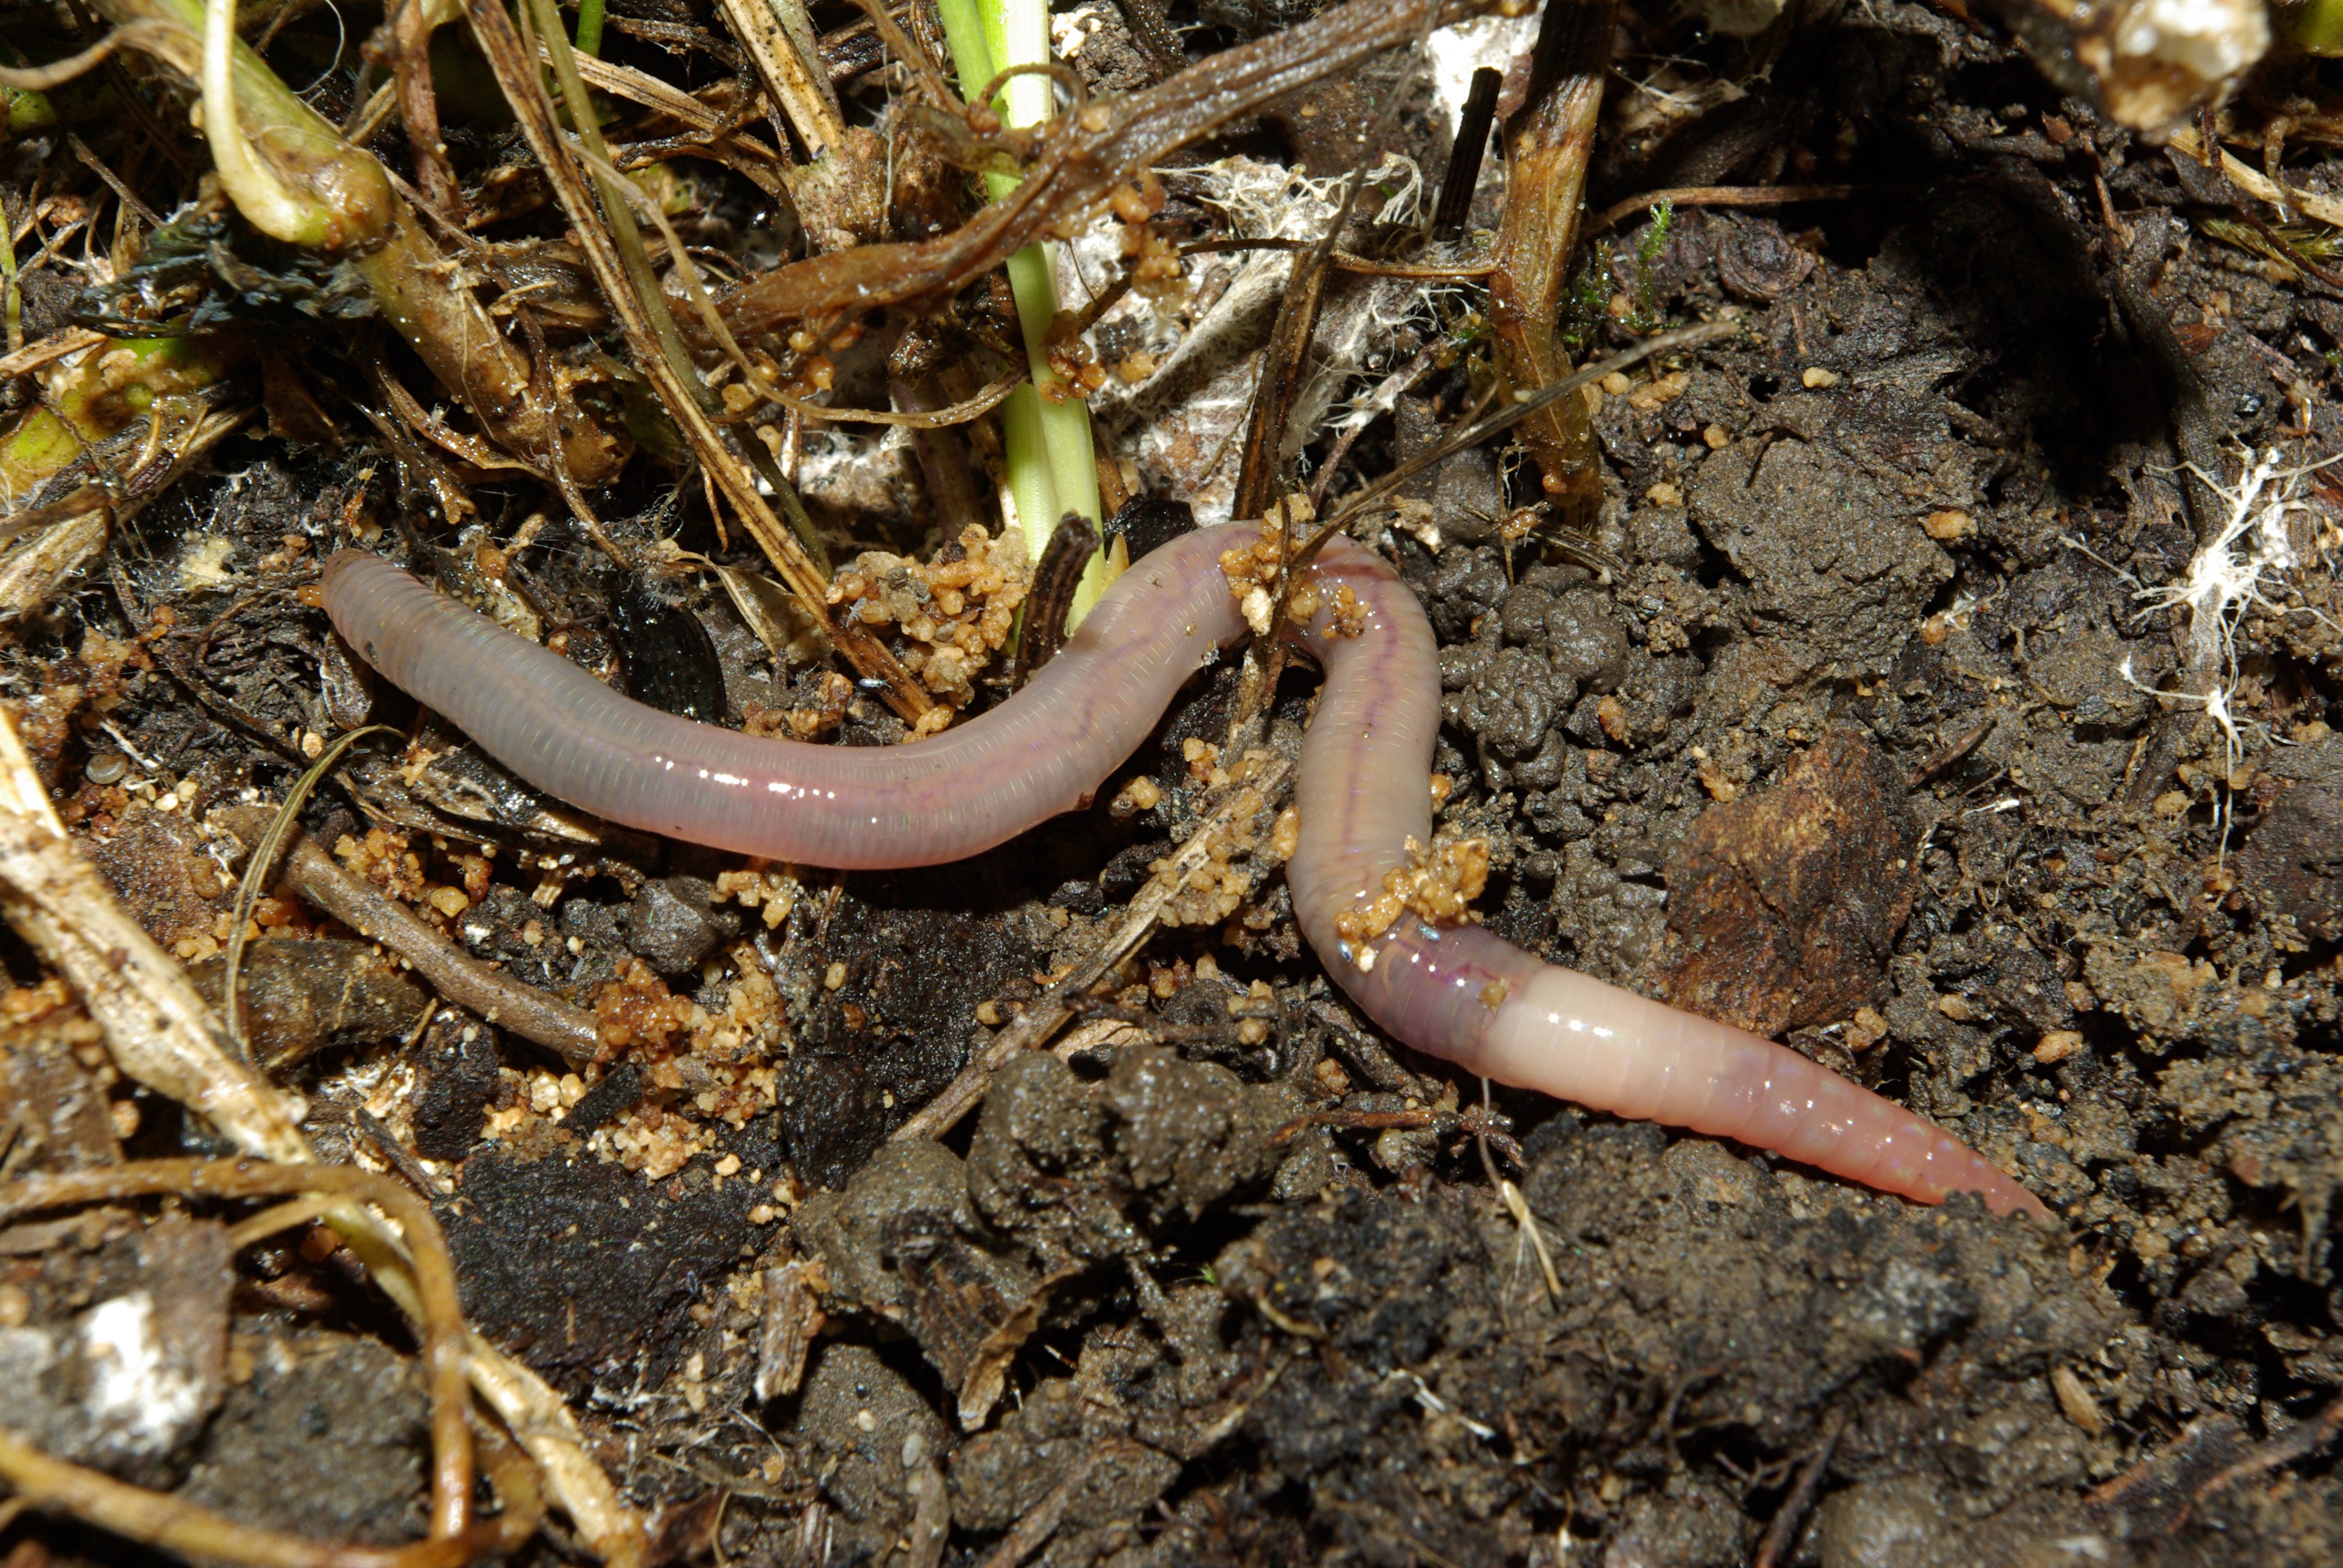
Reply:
x=1861, y=744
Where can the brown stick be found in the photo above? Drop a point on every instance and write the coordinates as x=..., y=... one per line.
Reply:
x=1731, y=195
x=1547, y=145
x=1084, y=157
x=2300, y=1443
x=1793, y=1511
x=1457, y=183
x=1069, y=550
x=498, y=999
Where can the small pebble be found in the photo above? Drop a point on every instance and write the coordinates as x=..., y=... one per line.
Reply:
x=1816, y=378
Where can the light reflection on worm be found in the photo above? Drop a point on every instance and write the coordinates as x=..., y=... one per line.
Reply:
x=1454, y=992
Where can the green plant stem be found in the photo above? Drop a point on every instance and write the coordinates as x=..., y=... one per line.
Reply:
x=335, y=196
x=964, y=31
x=285, y=169
x=2316, y=26
x=589, y=26
x=14, y=305
x=1052, y=467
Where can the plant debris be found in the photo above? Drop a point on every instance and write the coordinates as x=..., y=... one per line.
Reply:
x=1875, y=498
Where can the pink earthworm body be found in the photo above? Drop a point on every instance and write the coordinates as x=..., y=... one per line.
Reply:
x=1455, y=992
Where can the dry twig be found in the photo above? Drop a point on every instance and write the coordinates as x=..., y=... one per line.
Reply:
x=1547, y=146
x=161, y=1033
x=1729, y=196
x=517, y=72
x=1085, y=155
x=494, y=996
x=1783, y=1531
x=256, y=874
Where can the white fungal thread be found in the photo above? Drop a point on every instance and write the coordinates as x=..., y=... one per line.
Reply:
x=2239, y=568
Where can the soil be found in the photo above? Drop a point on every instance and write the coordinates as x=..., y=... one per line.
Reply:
x=1861, y=742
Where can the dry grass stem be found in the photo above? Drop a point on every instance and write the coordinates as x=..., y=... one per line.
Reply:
x=161, y=1033
x=780, y=39
x=257, y=868
x=1547, y=146
x=516, y=74
x=431, y=1269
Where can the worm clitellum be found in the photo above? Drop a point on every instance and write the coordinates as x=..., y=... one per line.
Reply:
x=1455, y=992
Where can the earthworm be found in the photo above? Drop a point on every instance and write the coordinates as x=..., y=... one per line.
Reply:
x=1453, y=990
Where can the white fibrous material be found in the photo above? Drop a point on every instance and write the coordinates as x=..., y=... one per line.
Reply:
x=2239, y=567
x=2253, y=546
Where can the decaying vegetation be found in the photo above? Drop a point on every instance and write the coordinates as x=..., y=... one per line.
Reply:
x=1740, y=388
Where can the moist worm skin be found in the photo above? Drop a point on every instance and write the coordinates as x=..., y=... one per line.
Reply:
x=1456, y=991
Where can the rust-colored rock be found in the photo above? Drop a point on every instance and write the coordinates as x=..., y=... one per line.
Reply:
x=2292, y=865
x=1782, y=904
